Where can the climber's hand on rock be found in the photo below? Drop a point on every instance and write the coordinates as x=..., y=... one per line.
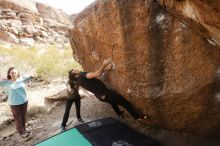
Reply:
x=107, y=62
x=109, y=67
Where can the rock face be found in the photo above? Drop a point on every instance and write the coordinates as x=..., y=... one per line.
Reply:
x=26, y=22
x=201, y=16
x=162, y=66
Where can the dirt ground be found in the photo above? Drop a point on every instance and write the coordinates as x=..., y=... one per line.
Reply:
x=46, y=124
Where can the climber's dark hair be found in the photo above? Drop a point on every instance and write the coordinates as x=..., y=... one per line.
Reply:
x=73, y=80
x=72, y=76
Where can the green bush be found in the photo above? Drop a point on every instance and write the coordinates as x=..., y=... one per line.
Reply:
x=48, y=63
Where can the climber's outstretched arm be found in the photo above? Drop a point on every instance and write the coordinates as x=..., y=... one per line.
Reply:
x=105, y=66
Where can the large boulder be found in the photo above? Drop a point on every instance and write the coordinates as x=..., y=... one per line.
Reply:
x=162, y=66
x=61, y=95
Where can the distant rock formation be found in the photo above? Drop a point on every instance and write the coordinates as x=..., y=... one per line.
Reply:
x=166, y=55
x=51, y=13
x=28, y=23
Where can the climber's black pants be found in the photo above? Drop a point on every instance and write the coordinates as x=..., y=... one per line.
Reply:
x=116, y=99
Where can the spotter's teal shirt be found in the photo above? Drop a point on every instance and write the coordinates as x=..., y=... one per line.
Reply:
x=16, y=90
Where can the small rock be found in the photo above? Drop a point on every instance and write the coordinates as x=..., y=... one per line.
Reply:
x=44, y=34
x=37, y=26
x=6, y=10
x=26, y=21
x=12, y=30
x=15, y=24
x=26, y=15
x=39, y=127
x=23, y=34
x=26, y=139
x=29, y=29
x=49, y=110
x=37, y=33
x=11, y=14
x=3, y=28
x=9, y=37
x=27, y=41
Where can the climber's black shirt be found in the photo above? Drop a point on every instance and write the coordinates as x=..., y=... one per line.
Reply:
x=94, y=85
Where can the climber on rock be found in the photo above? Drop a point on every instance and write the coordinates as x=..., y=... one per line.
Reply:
x=89, y=81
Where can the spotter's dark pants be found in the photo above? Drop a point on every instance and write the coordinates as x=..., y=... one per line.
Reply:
x=69, y=103
x=19, y=114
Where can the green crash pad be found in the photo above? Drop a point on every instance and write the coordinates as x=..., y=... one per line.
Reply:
x=71, y=137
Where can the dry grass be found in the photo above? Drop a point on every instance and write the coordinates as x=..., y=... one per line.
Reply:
x=48, y=63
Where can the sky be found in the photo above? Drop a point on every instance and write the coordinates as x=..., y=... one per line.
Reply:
x=68, y=6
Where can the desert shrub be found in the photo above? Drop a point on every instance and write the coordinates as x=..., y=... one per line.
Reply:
x=48, y=63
